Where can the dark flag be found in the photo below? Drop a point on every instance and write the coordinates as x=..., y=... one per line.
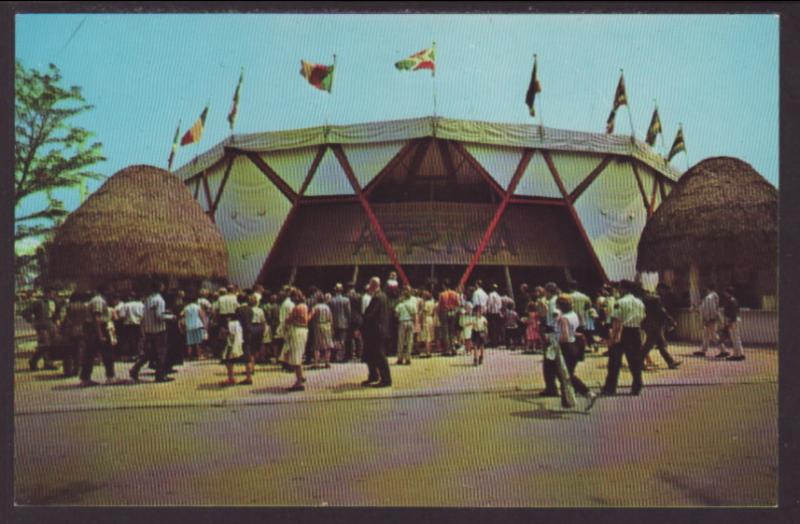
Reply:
x=174, y=147
x=533, y=88
x=620, y=99
x=654, y=130
x=235, y=104
x=677, y=146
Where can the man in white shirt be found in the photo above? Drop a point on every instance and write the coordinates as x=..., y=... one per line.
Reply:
x=710, y=315
x=580, y=302
x=479, y=296
x=494, y=306
x=131, y=314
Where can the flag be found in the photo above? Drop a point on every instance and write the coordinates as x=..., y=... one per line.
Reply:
x=654, y=130
x=174, y=146
x=533, y=88
x=425, y=59
x=235, y=105
x=620, y=99
x=195, y=133
x=319, y=76
x=677, y=146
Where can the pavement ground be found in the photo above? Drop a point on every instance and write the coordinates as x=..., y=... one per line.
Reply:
x=446, y=434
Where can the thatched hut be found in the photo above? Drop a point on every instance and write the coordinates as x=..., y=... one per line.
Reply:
x=142, y=222
x=719, y=225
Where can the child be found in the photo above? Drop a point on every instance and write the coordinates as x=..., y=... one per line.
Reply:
x=479, y=330
x=590, y=321
x=533, y=336
x=511, y=319
x=234, y=351
x=466, y=323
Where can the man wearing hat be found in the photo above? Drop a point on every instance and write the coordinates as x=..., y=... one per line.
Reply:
x=340, y=310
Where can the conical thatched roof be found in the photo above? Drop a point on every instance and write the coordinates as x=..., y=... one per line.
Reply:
x=721, y=213
x=143, y=221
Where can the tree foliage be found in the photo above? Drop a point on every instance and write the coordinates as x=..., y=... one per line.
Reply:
x=49, y=152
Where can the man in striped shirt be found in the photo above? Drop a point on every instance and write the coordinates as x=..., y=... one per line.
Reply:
x=154, y=326
x=626, y=338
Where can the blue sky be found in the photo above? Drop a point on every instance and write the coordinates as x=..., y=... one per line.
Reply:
x=716, y=74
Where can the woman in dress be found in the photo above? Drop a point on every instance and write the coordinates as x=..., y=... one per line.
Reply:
x=234, y=350
x=565, y=329
x=194, y=322
x=323, y=333
x=428, y=328
x=296, y=335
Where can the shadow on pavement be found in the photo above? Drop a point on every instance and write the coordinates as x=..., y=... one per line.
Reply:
x=57, y=376
x=69, y=494
x=272, y=390
x=343, y=388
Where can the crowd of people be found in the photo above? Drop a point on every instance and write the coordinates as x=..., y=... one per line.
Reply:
x=297, y=330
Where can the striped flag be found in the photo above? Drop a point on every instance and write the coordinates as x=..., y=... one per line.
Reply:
x=620, y=99
x=174, y=146
x=425, y=59
x=533, y=88
x=195, y=133
x=678, y=145
x=318, y=75
x=235, y=105
x=654, y=130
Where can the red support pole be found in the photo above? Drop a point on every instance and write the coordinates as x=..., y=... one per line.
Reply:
x=652, y=207
x=574, y=214
x=641, y=185
x=480, y=169
x=273, y=177
x=295, y=204
x=348, y=170
x=388, y=168
x=583, y=186
x=498, y=214
x=207, y=191
x=222, y=185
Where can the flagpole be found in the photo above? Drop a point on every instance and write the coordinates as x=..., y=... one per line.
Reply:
x=685, y=151
x=541, y=120
x=330, y=93
x=433, y=79
x=628, y=106
x=661, y=134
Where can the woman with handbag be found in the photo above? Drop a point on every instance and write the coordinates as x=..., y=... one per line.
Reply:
x=573, y=345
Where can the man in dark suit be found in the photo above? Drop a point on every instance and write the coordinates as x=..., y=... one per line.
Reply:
x=376, y=335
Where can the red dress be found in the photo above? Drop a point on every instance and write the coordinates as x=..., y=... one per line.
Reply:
x=532, y=332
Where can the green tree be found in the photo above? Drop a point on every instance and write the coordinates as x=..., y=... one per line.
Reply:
x=50, y=153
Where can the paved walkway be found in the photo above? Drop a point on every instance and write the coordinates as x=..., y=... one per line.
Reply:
x=199, y=383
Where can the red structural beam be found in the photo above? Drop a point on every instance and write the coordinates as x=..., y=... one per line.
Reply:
x=337, y=199
x=222, y=185
x=537, y=201
x=339, y=152
x=571, y=208
x=480, y=169
x=207, y=191
x=641, y=186
x=295, y=204
x=273, y=177
x=197, y=189
x=583, y=186
x=419, y=156
x=662, y=190
x=389, y=167
x=449, y=165
x=652, y=206
x=498, y=214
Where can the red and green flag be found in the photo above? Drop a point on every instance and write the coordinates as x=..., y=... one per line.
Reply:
x=318, y=75
x=533, y=88
x=620, y=99
x=654, y=130
x=195, y=133
x=425, y=59
x=174, y=146
x=678, y=145
x=235, y=106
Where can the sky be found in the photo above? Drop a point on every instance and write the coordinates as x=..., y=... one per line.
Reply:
x=717, y=75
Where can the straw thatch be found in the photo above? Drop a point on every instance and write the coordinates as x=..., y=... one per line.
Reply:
x=142, y=222
x=722, y=213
